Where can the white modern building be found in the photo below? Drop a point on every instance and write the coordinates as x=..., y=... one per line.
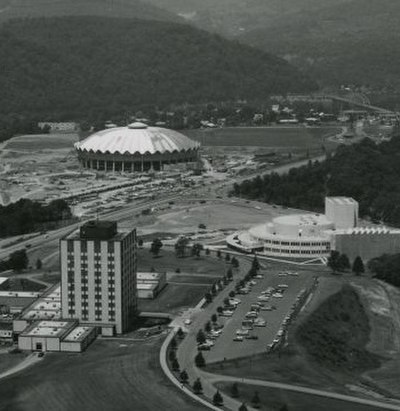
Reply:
x=98, y=276
x=135, y=148
x=310, y=236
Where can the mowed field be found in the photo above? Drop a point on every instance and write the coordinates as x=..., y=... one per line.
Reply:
x=269, y=137
x=110, y=375
x=42, y=142
x=184, y=289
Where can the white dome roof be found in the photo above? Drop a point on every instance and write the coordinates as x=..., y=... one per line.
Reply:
x=137, y=138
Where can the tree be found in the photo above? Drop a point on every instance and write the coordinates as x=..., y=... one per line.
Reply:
x=358, y=266
x=255, y=264
x=173, y=344
x=197, y=387
x=208, y=297
x=140, y=242
x=226, y=301
x=344, y=262
x=175, y=365
x=39, y=264
x=200, y=338
x=199, y=360
x=217, y=399
x=214, y=289
x=184, y=377
x=214, y=318
x=225, y=280
x=18, y=260
x=220, y=310
x=156, y=246
x=196, y=249
x=229, y=274
x=255, y=401
x=219, y=253
x=207, y=327
x=235, y=262
x=235, y=390
x=227, y=257
x=232, y=294
x=243, y=407
x=207, y=251
x=180, y=333
x=171, y=355
x=333, y=261
x=284, y=408
x=180, y=246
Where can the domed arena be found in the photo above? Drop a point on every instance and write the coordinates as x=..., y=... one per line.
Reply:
x=135, y=148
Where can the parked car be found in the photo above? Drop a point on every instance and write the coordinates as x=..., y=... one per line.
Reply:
x=242, y=332
x=227, y=313
x=251, y=314
x=277, y=295
x=266, y=308
x=204, y=347
x=238, y=338
x=251, y=337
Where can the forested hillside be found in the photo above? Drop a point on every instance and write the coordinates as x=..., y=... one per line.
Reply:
x=367, y=172
x=11, y=9
x=72, y=67
x=348, y=42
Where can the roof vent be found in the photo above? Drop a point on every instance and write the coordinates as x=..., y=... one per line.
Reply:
x=137, y=126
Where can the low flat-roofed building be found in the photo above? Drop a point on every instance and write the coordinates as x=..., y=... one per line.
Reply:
x=6, y=331
x=78, y=339
x=149, y=284
x=147, y=290
x=64, y=335
x=45, y=335
x=46, y=307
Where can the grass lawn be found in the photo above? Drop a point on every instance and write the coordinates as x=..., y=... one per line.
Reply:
x=273, y=137
x=168, y=262
x=173, y=298
x=110, y=375
x=273, y=399
x=8, y=361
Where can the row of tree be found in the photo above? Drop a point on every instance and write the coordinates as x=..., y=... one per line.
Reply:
x=26, y=216
x=340, y=262
x=17, y=261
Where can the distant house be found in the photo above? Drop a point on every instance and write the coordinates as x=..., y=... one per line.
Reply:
x=61, y=127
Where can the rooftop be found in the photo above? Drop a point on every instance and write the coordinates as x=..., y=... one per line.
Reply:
x=302, y=220
x=78, y=334
x=146, y=286
x=46, y=307
x=48, y=328
x=341, y=200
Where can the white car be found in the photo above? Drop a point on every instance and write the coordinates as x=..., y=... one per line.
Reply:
x=259, y=276
x=283, y=286
x=216, y=333
x=227, y=313
x=282, y=275
x=260, y=324
x=238, y=338
x=242, y=332
x=251, y=314
x=187, y=322
x=263, y=298
x=277, y=295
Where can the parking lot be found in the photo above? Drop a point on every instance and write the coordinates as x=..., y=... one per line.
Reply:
x=226, y=348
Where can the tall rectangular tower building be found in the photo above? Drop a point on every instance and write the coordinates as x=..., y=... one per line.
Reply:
x=342, y=211
x=98, y=276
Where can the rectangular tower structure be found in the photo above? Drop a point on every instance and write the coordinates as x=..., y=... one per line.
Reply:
x=98, y=276
x=342, y=211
